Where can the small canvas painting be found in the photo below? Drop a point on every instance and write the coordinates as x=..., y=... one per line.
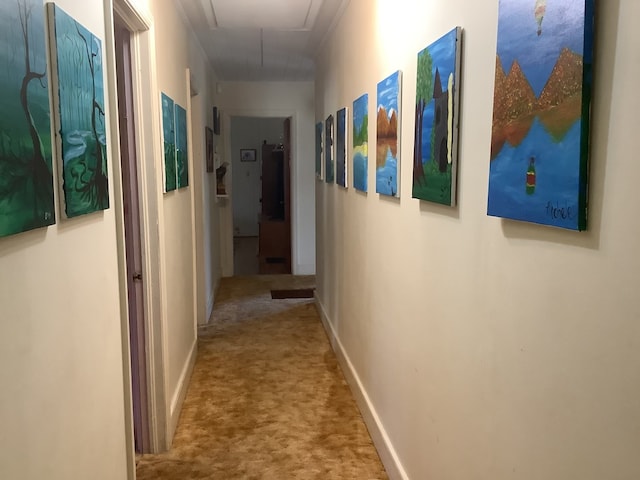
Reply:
x=436, y=129
x=329, y=173
x=387, y=135
x=360, y=142
x=341, y=147
x=319, y=128
x=169, y=141
x=182, y=154
x=80, y=119
x=26, y=178
x=540, y=135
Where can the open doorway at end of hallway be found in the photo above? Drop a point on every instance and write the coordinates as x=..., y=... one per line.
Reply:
x=260, y=157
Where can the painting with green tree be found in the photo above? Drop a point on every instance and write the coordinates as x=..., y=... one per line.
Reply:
x=80, y=116
x=435, y=162
x=26, y=178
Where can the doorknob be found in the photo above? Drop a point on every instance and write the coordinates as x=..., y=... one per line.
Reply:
x=137, y=276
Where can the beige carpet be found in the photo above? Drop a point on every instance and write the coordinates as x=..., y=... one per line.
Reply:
x=267, y=399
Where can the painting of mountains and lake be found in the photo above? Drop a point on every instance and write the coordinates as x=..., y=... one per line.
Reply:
x=26, y=178
x=539, y=145
x=360, y=142
x=341, y=147
x=387, y=135
x=182, y=153
x=81, y=117
x=319, y=128
x=435, y=162
x=169, y=142
x=329, y=173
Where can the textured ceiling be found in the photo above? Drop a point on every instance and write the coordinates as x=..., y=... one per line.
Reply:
x=262, y=40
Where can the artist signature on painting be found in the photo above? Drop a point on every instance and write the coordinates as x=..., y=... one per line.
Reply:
x=560, y=212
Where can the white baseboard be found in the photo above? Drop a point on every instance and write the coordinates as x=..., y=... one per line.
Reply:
x=304, y=269
x=211, y=300
x=181, y=392
x=381, y=440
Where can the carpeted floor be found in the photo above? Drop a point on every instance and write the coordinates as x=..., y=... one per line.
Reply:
x=267, y=399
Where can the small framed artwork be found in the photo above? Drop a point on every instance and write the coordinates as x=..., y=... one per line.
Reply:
x=247, y=155
x=216, y=121
x=208, y=135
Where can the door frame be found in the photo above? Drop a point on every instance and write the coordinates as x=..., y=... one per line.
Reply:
x=147, y=128
x=226, y=221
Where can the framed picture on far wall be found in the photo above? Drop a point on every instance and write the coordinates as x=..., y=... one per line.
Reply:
x=247, y=155
x=208, y=138
x=216, y=121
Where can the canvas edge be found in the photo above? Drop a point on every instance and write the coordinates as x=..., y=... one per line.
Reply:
x=585, y=134
x=455, y=140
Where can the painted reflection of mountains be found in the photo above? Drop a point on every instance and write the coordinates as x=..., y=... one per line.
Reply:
x=515, y=105
x=387, y=135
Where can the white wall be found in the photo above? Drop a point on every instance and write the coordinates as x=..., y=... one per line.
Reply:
x=486, y=348
x=61, y=370
x=250, y=132
x=278, y=99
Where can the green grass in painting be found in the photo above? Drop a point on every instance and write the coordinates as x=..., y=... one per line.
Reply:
x=183, y=172
x=436, y=186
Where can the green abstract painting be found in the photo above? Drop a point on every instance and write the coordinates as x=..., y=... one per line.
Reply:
x=26, y=179
x=169, y=140
x=78, y=76
x=182, y=153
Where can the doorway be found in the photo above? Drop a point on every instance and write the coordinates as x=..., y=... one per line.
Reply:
x=249, y=158
x=133, y=244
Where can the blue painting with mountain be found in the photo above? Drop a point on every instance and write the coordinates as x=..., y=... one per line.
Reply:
x=436, y=124
x=360, y=142
x=77, y=55
x=387, y=135
x=540, y=135
x=26, y=178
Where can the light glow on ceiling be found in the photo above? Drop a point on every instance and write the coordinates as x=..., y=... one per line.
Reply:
x=265, y=14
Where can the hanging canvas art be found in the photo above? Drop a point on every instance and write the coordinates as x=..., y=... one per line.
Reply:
x=341, y=147
x=80, y=116
x=169, y=141
x=26, y=178
x=328, y=150
x=360, y=142
x=435, y=162
x=182, y=154
x=319, y=128
x=387, y=135
x=539, y=144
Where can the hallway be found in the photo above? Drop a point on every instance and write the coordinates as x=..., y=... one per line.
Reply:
x=267, y=399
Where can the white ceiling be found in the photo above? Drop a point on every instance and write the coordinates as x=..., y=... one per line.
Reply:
x=262, y=40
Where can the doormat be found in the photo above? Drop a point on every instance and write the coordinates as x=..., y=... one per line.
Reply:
x=292, y=293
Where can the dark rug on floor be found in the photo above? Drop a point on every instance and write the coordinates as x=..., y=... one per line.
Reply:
x=293, y=293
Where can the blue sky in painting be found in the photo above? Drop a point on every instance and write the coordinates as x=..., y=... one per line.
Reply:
x=517, y=38
x=443, y=54
x=388, y=90
x=360, y=110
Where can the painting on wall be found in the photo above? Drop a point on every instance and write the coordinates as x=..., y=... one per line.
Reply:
x=169, y=141
x=319, y=128
x=182, y=153
x=387, y=135
x=328, y=150
x=208, y=136
x=539, y=144
x=435, y=150
x=80, y=116
x=341, y=147
x=26, y=178
x=360, y=142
